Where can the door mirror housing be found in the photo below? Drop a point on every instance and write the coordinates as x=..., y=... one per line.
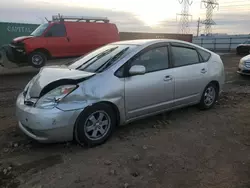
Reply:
x=137, y=70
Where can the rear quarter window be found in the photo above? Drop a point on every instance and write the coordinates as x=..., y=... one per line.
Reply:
x=205, y=55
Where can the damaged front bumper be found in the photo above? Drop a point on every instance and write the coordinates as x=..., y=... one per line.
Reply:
x=45, y=125
x=244, y=68
x=16, y=53
x=243, y=72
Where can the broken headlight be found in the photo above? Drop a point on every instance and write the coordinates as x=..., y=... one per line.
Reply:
x=52, y=98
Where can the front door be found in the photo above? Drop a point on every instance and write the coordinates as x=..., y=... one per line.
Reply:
x=190, y=75
x=153, y=91
x=57, y=42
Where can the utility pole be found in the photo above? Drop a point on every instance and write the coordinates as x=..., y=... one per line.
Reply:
x=184, y=20
x=210, y=5
x=198, y=26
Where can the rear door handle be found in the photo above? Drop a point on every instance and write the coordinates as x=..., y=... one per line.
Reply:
x=203, y=71
x=168, y=78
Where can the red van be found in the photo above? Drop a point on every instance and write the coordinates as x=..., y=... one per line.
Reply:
x=63, y=37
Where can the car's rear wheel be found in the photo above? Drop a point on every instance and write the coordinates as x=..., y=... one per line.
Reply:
x=95, y=125
x=209, y=96
x=37, y=59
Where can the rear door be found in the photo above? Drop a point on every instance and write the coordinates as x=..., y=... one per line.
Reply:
x=190, y=74
x=56, y=40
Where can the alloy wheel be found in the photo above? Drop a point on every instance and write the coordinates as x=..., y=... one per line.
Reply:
x=97, y=125
x=37, y=59
x=209, y=96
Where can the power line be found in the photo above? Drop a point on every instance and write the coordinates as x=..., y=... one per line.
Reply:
x=234, y=2
x=228, y=2
x=184, y=20
x=232, y=10
x=236, y=5
x=208, y=22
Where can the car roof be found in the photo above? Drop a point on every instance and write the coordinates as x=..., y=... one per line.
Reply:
x=140, y=42
x=147, y=42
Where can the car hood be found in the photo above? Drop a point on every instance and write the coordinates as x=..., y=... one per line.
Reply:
x=56, y=75
x=243, y=45
x=19, y=39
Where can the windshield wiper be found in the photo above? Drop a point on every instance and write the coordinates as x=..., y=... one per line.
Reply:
x=98, y=56
x=111, y=60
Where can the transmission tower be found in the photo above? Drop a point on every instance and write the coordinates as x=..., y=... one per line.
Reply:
x=184, y=20
x=210, y=5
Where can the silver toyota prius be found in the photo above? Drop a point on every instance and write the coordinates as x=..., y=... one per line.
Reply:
x=114, y=85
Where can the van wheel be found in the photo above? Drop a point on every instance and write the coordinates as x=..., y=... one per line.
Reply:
x=209, y=97
x=37, y=59
x=95, y=125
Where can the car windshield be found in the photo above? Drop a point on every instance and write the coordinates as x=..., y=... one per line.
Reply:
x=39, y=31
x=101, y=58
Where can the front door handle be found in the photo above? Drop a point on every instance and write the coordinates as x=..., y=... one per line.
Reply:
x=168, y=78
x=203, y=71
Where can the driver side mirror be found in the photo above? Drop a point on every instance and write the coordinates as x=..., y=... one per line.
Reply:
x=137, y=70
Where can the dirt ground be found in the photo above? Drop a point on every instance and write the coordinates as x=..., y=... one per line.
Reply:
x=186, y=148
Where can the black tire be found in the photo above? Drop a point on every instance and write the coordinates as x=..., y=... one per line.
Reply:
x=243, y=50
x=80, y=135
x=202, y=104
x=42, y=58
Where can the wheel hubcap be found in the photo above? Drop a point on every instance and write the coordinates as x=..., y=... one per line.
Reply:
x=37, y=59
x=209, y=96
x=97, y=125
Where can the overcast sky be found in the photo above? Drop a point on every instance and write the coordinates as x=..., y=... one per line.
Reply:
x=132, y=15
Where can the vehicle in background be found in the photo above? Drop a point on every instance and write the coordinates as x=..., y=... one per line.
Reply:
x=64, y=36
x=116, y=84
x=243, y=48
x=244, y=66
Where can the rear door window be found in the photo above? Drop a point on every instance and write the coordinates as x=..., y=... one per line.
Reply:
x=184, y=56
x=57, y=30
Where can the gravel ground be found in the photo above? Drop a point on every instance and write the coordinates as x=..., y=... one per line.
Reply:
x=182, y=149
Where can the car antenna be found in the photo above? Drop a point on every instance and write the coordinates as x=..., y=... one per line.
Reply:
x=46, y=19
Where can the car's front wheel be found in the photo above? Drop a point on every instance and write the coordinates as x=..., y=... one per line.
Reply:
x=37, y=59
x=95, y=125
x=209, y=96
